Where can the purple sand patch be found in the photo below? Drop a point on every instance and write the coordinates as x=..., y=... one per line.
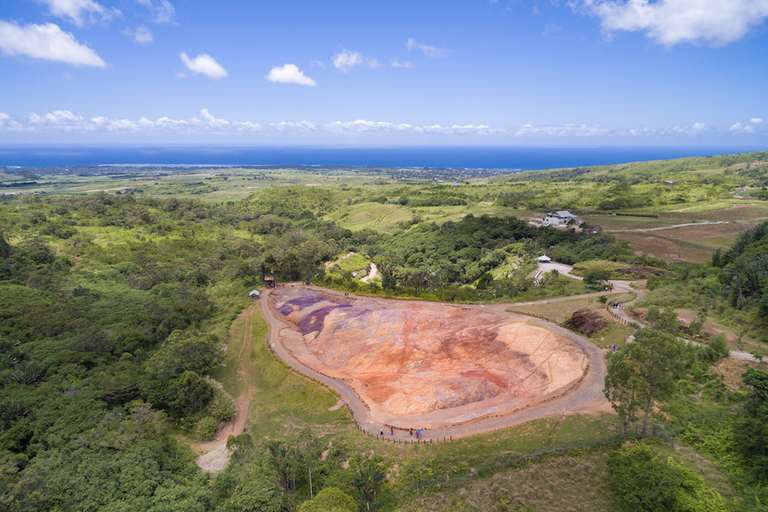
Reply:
x=306, y=300
x=314, y=321
x=300, y=302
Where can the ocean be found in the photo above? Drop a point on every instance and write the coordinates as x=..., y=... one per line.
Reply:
x=507, y=157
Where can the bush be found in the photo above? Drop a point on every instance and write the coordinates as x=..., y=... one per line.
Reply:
x=206, y=428
x=222, y=407
x=644, y=483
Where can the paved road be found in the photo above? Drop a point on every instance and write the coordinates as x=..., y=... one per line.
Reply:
x=588, y=395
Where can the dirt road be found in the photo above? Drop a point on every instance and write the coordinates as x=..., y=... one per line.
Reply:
x=216, y=455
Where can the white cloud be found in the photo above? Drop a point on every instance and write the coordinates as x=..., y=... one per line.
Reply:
x=204, y=64
x=81, y=12
x=694, y=129
x=670, y=22
x=289, y=74
x=288, y=126
x=427, y=49
x=47, y=42
x=567, y=130
x=396, y=63
x=141, y=35
x=161, y=12
x=755, y=125
x=346, y=60
x=9, y=124
x=206, y=124
x=67, y=121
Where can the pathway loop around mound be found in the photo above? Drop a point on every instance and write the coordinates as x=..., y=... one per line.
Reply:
x=585, y=395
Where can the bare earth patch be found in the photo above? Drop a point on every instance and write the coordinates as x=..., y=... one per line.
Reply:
x=428, y=363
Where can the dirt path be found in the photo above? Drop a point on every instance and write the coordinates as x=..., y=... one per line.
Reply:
x=373, y=274
x=216, y=454
x=586, y=397
x=329, y=264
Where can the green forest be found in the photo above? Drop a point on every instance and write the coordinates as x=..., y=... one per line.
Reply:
x=116, y=313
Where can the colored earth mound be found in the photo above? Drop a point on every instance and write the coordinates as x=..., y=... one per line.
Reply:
x=428, y=364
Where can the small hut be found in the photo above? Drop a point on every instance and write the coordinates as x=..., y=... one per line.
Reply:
x=544, y=259
x=270, y=280
x=254, y=294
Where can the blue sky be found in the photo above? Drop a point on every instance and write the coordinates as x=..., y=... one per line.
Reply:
x=383, y=73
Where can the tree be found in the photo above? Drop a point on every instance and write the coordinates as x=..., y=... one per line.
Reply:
x=282, y=462
x=183, y=351
x=644, y=483
x=597, y=276
x=330, y=499
x=310, y=448
x=658, y=363
x=644, y=371
x=257, y=492
x=623, y=387
x=367, y=482
x=758, y=381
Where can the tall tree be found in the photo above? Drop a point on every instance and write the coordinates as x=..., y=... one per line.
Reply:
x=623, y=387
x=644, y=371
x=657, y=357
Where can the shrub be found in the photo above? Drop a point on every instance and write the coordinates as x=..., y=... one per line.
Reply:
x=206, y=428
x=222, y=407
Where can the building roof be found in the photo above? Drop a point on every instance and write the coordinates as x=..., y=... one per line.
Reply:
x=254, y=292
x=565, y=213
x=544, y=257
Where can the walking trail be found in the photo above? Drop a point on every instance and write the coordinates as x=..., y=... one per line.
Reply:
x=587, y=397
x=216, y=456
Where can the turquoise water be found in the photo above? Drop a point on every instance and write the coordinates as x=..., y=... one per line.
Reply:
x=516, y=157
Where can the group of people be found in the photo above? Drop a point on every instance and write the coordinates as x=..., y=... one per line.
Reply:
x=418, y=433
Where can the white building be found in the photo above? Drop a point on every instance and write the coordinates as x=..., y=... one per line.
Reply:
x=560, y=218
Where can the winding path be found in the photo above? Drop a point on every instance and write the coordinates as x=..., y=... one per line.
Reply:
x=586, y=397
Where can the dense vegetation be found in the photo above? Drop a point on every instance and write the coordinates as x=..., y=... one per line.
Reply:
x=114, y=309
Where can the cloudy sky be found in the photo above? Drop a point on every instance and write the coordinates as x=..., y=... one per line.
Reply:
x=386, y=72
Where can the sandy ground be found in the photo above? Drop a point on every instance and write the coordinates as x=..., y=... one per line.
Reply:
x=582, y=395
x=426, y=363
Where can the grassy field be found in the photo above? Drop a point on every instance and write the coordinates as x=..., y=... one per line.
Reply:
x=562, y=310
x=213, y=185
x=286, y=402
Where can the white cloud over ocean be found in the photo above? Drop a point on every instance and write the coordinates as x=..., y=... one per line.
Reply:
x=206, y=124
x=670, y=22
x=46, y=42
